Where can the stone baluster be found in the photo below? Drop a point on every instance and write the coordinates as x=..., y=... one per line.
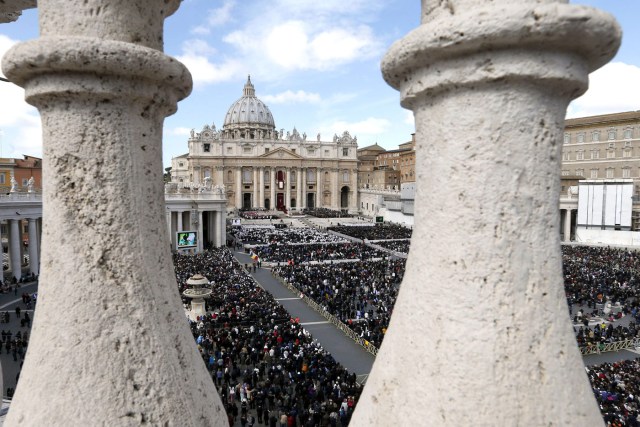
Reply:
x=480, y=333
x=110, y=344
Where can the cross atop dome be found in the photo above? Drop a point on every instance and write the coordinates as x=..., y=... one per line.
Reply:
x=249, y=90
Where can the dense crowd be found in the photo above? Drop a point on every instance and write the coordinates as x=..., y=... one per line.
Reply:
x=360, y=294
x=326, y=213
x=401, y=246
x=267, y=367
x=256, y=214
x=374, y=232
x=297, y=254
x=617, y=389
x=269, y=234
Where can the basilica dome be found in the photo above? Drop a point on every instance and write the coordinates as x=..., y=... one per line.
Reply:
x=249, y=112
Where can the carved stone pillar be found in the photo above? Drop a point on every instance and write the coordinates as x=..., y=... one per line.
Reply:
x=567, y=225
x=109, y=343
x=261, y=185
x=256, y=190
x=34, y=262
x=319, y=185
x=335, y=189
x=238, y=188
x=303, y=201
x=272, y=202
x=488, y=82
x=287, y=187
x=298, y=189
x=14, y=248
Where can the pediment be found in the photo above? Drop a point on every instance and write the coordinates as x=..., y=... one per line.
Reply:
x=281, y=154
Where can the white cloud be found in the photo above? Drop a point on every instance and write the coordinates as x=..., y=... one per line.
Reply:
x=179, y=131
x=368, y=126
x=216, y=17
x=613, y=88
x=19, y=121
x=290, y=97
x=408, y=118
x=196, y=58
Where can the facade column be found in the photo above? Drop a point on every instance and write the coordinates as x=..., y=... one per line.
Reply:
x=238, y=188
x=221, y=229
x=299, y=190
x=494, y=91
x=261, y=188
x=353, y=200
x=34, y=262
x=303, y=202
x=335, y=190
x=14, y=248
x=288, y=189
x=272, y=188
x=219, y=175
x=168, y=219
x=567, y=225
x=99, y=72
x=256, y=190
x=179, y=217
x=319, y=184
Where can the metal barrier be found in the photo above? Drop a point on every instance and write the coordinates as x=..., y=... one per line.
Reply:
x=610, y=346
x=331, y=318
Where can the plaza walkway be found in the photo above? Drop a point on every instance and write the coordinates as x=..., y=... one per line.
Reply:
x=351, y=355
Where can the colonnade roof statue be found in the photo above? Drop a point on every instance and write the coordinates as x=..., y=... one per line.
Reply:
x=479, y=334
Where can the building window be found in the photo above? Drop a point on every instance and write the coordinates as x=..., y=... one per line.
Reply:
x=580, y=155
x=266, y=176
x=626, y=152
x=180, y=164
x=611, y=134
x=567, y=138
x=565, y=172
x=326, y=153
x=566, y=156
x=266, y=150
x=611, y=154
x=594, y=173
x=293, y=150
x=626, y=172
x=246, y=176
x=627, y=133
x=247, y=150
x=595, y=154
x=580, y=172
x=311, y=151
x=581, y=137
x=609, y=173
x=311, y=175
x=229, y=176
x=595, y=136
x=229, y=150
x=345, y=152
x=292, y=176
x=345, y=176
x=207, y=148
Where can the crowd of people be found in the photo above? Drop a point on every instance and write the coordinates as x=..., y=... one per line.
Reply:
x=269, y=235
x=617, y=389
x=267, y=368
x=326, y=213
x=374, y=232
x=360, y=294
x=401, y=246
x=296, y=254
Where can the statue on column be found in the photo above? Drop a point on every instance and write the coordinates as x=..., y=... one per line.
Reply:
x=14, y=185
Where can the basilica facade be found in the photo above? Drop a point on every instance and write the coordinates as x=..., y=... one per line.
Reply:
x=263, y=168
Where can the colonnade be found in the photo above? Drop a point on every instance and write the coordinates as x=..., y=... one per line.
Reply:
x=567, y=223
x=15, y=236
x=210, y=225
x=291, y=190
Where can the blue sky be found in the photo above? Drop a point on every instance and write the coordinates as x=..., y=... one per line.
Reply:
x=314, y=63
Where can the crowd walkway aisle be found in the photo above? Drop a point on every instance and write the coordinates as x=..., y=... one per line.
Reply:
x=351, y=355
